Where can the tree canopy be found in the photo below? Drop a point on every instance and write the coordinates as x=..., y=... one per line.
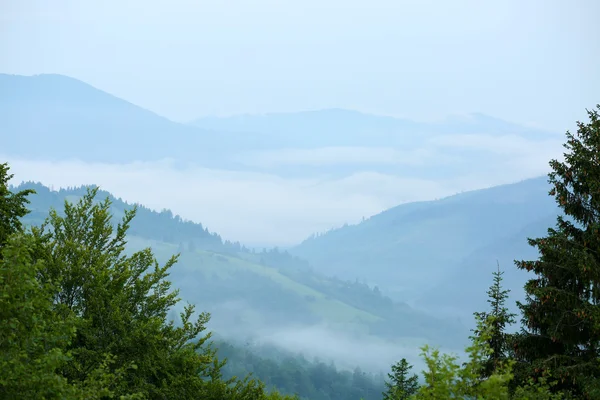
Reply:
x=81, y=319
x=561, y=316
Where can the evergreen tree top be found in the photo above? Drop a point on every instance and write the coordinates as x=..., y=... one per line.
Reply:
x=561, y=316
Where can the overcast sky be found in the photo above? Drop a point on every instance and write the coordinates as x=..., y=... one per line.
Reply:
x=530, y=61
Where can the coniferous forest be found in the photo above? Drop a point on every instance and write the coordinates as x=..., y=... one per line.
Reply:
x=86, y=317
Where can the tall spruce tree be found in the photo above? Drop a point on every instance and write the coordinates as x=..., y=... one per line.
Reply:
x=497, y=318
x=401, y=385
x=561, y=313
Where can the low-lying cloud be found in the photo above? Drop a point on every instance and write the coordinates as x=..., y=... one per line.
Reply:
x=435, y=152
x=344, y=155
x=506, y=145
x=347, y=351
x=262, y=208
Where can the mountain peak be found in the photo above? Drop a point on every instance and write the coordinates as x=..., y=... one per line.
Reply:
x=15, y=89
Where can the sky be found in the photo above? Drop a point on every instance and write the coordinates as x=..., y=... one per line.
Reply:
x=534, y=62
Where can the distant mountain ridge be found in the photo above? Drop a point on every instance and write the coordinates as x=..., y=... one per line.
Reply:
x=440, y=253
x=62, y=114
x=57, y=117
x=331, y=127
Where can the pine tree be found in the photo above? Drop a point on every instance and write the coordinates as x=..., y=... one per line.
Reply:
x=561, y=314
x=401, y=384
x=497, y=318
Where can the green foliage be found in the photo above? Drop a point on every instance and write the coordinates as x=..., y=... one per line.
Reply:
x=537, y=389
x=440, y=375
x=120, y=303
x=497, y=319
x=401, y=384
x=474, y=380
x=81, y=319
x=12, y=206
x=446, y=379
x=32, y=339
x=561, y=314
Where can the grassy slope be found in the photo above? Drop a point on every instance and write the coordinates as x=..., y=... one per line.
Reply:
x=413, y=247
x=225, y=266
x=263, y=293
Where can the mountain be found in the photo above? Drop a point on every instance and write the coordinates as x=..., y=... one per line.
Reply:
x=265, y=294
x=340, y=127
x=458, y=297
x=338, y=143
x=57, y=117
x=320, y=128
x=439, y=255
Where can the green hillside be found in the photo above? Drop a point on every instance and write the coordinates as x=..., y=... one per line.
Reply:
x=248, y=290
x=420, y=252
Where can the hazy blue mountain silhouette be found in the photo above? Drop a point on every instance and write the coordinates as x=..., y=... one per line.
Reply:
x=54, y=116
x=440, y=252
x=335, y=127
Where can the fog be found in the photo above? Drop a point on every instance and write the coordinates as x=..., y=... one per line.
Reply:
x=339, y=345
x=282, y=211
x=345, y=350
x=371, y=354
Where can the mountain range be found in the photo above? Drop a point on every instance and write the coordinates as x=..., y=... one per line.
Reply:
x=58, y=117
x=440, y=254
x=415, y=272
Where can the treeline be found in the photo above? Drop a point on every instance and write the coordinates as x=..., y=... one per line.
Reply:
x=293, y=374
x=161, y=226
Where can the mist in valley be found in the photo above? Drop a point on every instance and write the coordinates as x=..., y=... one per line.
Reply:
x=338, y=195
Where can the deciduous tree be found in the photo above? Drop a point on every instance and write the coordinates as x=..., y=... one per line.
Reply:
x=13, y=206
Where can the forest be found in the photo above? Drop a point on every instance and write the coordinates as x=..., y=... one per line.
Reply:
x=85, y=317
